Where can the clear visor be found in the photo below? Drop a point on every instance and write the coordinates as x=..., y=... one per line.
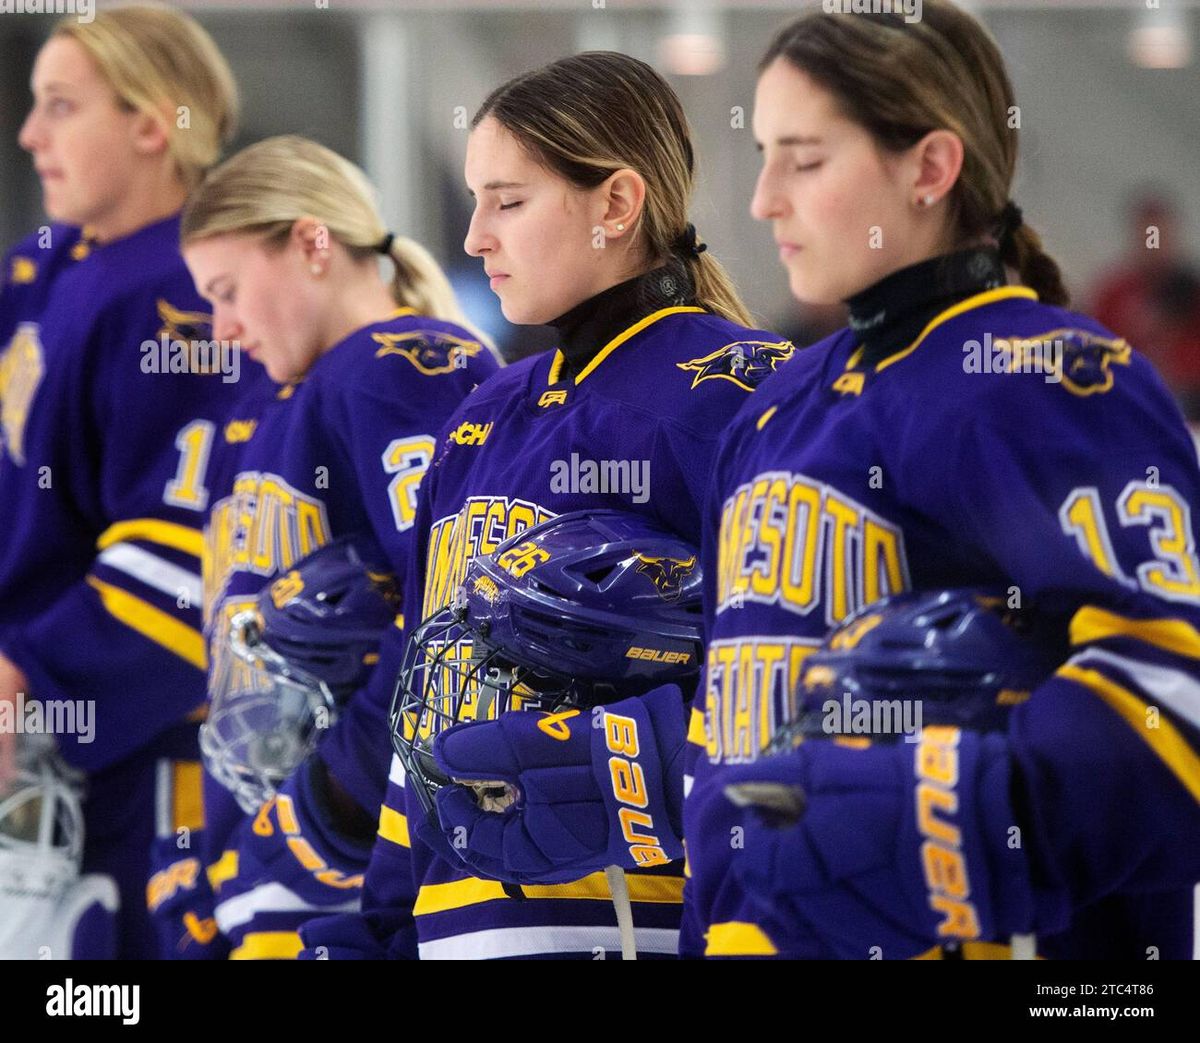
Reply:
x=265, y=716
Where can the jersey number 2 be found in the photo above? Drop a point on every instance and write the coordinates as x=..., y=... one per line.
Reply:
x=407, y=459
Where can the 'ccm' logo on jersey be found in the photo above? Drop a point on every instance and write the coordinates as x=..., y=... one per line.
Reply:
x=468, y=433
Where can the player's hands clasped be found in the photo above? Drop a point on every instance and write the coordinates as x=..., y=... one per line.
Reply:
x=557, y=796
x=897, y=847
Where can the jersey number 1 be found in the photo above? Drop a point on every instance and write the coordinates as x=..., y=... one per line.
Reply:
x=187, y=489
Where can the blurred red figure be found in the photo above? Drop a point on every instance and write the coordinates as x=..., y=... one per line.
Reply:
x=1152, y=298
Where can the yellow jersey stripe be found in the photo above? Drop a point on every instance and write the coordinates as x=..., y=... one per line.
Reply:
x=153, y=623
x=616, y=342
x=439, y=898
x=168, y=534
x=766, y=417
x=1165, y=740
x=1172, y=635
x=186, y=797
x=225, y=868
x=696, y=728
x=399, y=313
x=269, y=945
x=393, y=826
x=1002, y=293
x=738, y=938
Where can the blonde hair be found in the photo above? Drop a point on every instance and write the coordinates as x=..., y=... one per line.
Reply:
x=900, y=80
x=264, y=189
x=586, y=117
x=162, y=63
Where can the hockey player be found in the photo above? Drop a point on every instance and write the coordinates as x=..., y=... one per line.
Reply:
x=582, y=172
x=965, y=430
x=285, y=239
x=109, y=389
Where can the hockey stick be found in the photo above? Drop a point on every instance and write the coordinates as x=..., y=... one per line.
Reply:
x=619, y=889
x=1024, y=946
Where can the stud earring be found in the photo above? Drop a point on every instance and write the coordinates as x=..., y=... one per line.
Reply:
x=620, y=228
x=928, y=201
x=315, y=269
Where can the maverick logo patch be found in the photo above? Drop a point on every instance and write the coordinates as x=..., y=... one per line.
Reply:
x=746, y=362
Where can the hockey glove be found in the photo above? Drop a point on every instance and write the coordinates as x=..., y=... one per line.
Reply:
x=552, y=797
x=888, y=850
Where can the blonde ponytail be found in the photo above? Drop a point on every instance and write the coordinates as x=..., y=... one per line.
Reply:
x=715, y=290
x=267, y=187
x=420, y=283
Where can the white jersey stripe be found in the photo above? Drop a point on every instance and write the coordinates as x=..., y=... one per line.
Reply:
x=1175, y=689
x=504, y=942
x=154, y=571
x=271, y=898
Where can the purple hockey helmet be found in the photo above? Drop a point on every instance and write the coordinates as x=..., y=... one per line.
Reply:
x=584, y=609
x=310, y=641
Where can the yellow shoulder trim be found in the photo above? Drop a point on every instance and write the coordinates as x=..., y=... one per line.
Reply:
x=1172, y=635
x=269, y=945
x=223, y=870
x=616, y=342
x=400, y=313
x=153, y=623
x=736, y=938
x=1001, y=293
x=696, y=728
x=169, y=534
x=393, y=826
x=633, y=331
x=1165, y=740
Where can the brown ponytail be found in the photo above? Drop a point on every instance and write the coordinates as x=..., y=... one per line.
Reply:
x=900, y=80
x=588, y=116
